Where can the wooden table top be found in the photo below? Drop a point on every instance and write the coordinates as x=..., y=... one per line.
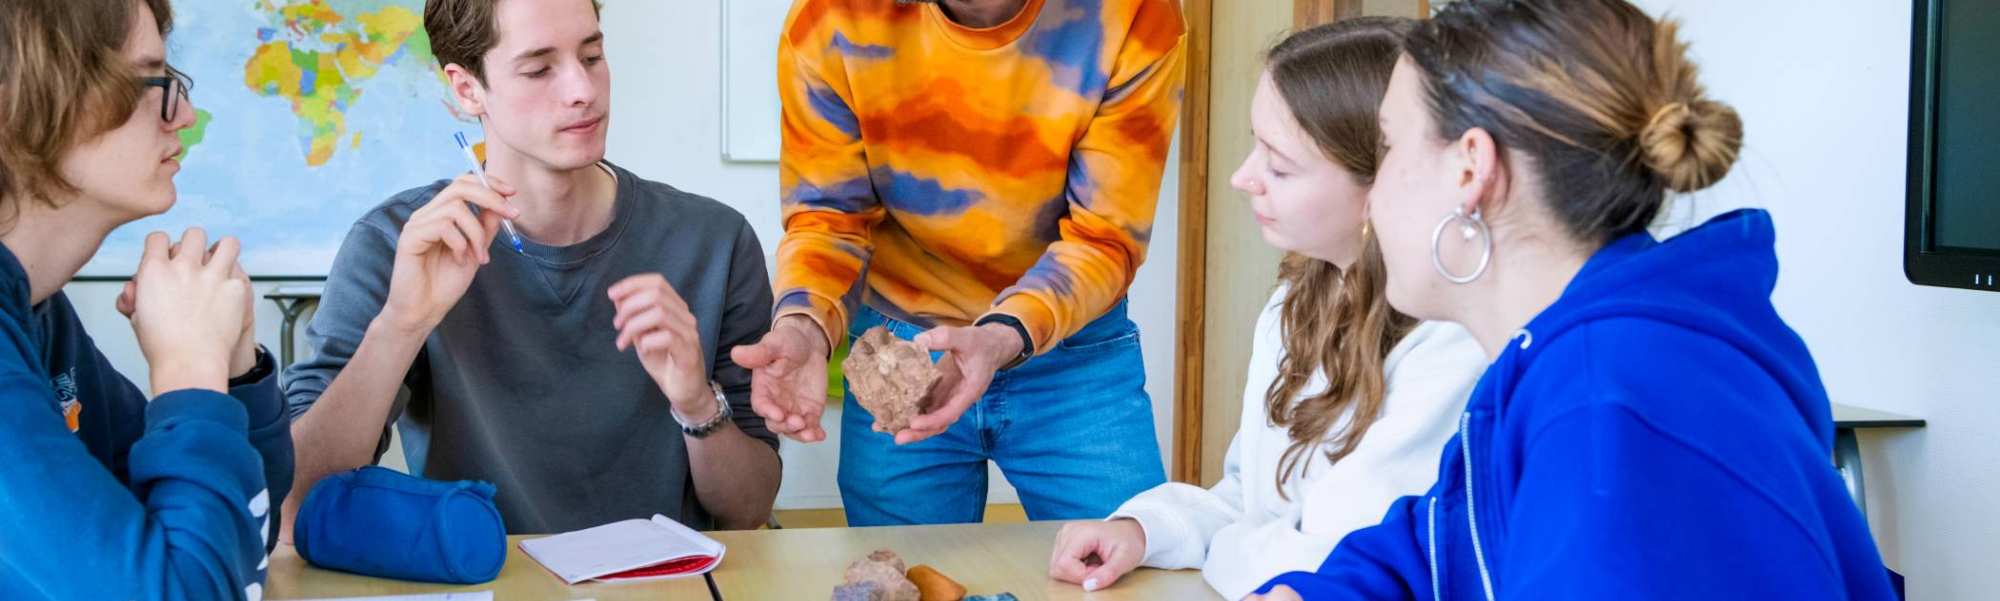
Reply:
x=805, y=564
x=1846, y=416
x=520, y=578
x=802, y=564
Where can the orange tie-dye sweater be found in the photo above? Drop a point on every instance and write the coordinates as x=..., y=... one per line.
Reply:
x=1011, y=170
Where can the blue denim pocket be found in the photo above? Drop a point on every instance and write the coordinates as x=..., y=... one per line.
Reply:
x=1110, y=332
x=1116, y=340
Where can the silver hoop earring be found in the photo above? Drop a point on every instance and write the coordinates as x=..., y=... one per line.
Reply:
x=1473, y=225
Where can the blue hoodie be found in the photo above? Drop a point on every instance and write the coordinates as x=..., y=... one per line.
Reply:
x=1657, y=433
x=106, y=496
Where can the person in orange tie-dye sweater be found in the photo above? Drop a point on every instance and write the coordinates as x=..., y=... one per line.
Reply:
x=980, y=176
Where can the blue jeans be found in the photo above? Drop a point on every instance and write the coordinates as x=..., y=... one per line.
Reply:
x=1071, y=429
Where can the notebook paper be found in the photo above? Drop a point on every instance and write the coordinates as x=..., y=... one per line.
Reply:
x=627, y=545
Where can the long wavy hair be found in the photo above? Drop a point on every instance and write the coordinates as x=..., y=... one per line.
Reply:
x=1336, y=322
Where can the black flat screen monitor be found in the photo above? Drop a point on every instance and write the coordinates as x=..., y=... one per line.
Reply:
x=1952, y=219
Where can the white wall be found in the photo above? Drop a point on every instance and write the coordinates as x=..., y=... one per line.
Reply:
x=1822, y=86
x=666, y=115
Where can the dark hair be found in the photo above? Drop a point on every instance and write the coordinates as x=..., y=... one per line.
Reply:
x=64, y=79
x=463, y=31
x=1600, y=95
x=1336, y=322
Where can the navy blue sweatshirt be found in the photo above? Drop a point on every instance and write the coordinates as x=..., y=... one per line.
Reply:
x=104, y=495
x=1656, y=433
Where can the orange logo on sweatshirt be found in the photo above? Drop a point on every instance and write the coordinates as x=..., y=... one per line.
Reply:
x=71, y=412
x=72, y=408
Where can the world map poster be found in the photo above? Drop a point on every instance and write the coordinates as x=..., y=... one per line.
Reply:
x=308, y=113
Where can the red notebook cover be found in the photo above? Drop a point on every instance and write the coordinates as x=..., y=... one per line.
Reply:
x=673, y=567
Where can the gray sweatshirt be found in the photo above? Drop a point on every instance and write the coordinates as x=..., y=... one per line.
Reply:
x=521, y=384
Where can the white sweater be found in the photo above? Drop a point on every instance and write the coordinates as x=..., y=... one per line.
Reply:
x=1241, y=533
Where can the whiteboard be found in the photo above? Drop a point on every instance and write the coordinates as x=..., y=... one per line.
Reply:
x=750, y=31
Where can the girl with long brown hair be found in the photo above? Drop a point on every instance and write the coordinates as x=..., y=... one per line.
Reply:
x=1348, y=401
x=1650, y=428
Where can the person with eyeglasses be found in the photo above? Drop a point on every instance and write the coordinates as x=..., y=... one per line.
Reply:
x=175, y=88
x=106, y=493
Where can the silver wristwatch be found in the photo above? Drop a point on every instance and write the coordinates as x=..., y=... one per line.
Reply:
x=703, y=429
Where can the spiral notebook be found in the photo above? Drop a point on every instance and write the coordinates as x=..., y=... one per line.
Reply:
x=628, y=550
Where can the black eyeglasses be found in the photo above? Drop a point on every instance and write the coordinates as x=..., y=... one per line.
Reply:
x=174, y=88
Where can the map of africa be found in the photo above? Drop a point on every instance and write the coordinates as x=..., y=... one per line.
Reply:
x=308, y=113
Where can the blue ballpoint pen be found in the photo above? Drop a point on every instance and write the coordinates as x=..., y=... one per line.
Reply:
x=480, y=171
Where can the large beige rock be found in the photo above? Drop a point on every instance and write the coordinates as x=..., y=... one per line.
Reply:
x=878, y=577
x=891, y=377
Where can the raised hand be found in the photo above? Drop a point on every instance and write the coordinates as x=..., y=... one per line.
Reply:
x=189, y=307
x=971, y=356
x=653, y=319
x=441, y=248
x=788, y=377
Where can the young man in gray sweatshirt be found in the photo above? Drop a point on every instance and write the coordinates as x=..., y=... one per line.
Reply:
x=583, y=370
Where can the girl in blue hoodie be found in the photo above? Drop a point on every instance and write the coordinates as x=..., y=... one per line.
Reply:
x=1649, y=427
x=105, y=494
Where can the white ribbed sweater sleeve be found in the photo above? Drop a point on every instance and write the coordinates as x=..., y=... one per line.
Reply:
x=1179, y=519
x=1241, y=533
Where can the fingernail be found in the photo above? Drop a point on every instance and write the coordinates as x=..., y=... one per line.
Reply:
x=1090, y=585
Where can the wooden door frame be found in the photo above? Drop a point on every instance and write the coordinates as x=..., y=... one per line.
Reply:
x=1192, y=287
x=1306, y=13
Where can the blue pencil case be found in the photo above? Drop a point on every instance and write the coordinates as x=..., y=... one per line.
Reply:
x=380, y=522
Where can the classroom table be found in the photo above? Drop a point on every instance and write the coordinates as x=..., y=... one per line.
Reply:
x=1847, y=444
x=293, y=302
x=801, y=564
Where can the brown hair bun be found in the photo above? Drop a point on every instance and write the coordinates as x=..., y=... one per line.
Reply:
x=1692, y=145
